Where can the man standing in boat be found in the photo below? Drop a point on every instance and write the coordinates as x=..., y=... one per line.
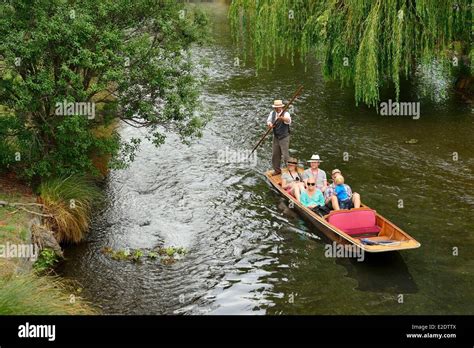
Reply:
x=281, y=135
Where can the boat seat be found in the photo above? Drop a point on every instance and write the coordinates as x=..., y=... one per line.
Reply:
x=355, y=221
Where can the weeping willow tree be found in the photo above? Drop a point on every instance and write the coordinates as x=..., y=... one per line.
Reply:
x=367, y=43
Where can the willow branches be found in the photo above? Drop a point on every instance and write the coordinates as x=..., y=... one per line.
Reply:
x=367, y=43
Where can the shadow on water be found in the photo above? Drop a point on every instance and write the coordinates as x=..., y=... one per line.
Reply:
x=380, y=272
x=384, y=272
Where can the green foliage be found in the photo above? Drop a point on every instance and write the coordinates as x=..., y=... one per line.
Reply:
x=365, y=42
x=30, y=294
x=152, y=255
x=119, y=255
x=10, y=147
x=70, y=201
x=172, y=251
x=130, y=58
x=136, y=255
x=46, y=261
x=167, y=255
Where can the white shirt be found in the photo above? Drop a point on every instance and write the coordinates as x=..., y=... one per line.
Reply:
x=287, y=114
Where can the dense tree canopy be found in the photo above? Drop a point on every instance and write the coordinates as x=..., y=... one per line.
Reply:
x=129, y=59
x=365, y=42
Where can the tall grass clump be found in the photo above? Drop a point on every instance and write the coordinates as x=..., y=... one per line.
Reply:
x=70, y=202
x=29, y=294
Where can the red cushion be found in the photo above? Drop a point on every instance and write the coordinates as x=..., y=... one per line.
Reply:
x=362, y=230
x=354, y=221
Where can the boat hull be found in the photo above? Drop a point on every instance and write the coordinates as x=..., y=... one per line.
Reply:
x=388, y=230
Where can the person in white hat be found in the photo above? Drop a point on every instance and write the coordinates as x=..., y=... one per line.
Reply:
x=281, y=135
x=318, y=174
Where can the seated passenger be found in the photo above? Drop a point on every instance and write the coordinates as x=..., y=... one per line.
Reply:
x=318, y=174
x=343, y=198
x=331, y=197
x=312, y=197
x=292, y=181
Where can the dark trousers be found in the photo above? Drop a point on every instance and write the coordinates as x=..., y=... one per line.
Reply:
x=280, y=148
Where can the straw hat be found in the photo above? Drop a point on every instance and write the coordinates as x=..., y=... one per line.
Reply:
x=314, y=158
x=278, y=103
x=292, y=160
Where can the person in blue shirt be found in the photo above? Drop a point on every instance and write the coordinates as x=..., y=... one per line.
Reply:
x=331, y=197
x=312, y=196
x=343, y=197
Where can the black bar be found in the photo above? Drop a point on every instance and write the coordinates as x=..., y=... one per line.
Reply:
x=243, y=330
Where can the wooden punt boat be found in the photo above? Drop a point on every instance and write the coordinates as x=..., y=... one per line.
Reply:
x=386, y=237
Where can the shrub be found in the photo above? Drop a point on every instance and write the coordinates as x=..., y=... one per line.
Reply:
x=46, y=261
x=70, y=201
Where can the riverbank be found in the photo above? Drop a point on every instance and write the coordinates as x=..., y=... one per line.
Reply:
x=13, y=222
x=24, y=290
x=30, y=285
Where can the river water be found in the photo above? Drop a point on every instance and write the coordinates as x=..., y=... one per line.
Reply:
x=248, y=253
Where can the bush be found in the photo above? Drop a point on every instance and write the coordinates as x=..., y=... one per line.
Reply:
x=70, y=201
x=46, y=261
x=8, y=146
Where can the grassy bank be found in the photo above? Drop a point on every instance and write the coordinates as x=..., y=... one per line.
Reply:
x=22, y=290
x=39, y=295
x=70, y=202
x=13, y=221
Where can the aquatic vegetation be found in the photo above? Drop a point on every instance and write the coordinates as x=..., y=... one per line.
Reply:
x=152, y=255
x=172, y=251
x=136, y=255
x=70, y=201
x=168, y=260
x=121, y=255
x=107, y=250
x=167, y=255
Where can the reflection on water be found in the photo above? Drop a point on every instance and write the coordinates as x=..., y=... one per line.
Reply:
x=248, y=251
x=386, y=272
